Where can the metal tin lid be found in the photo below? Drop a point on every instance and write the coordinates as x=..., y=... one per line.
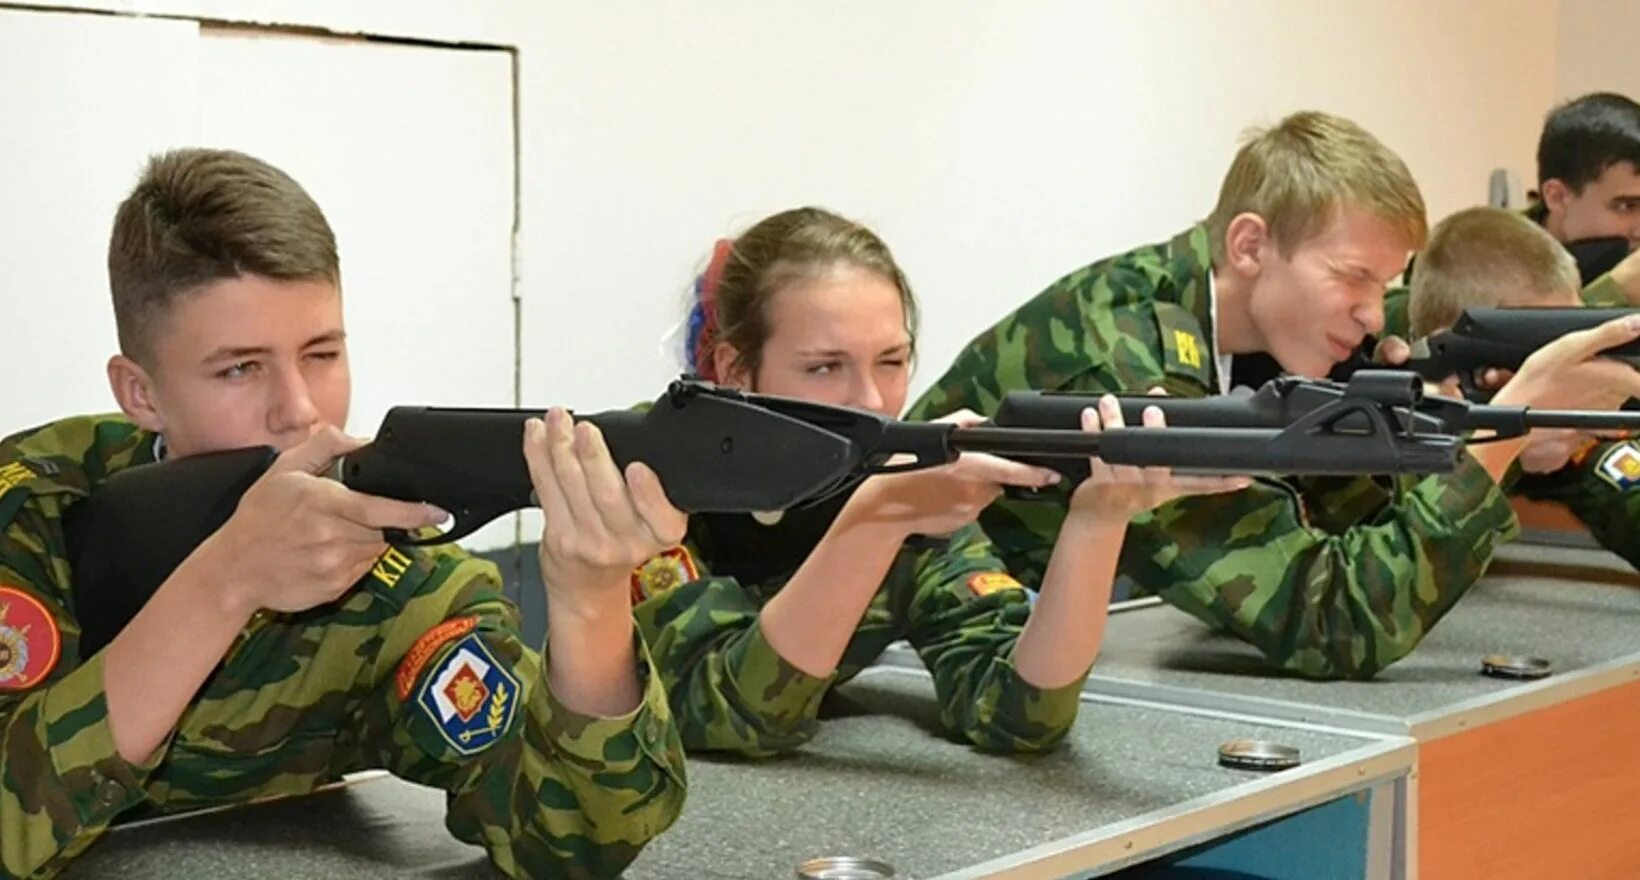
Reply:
x=1256, y=754
x=844, y=868
x=1515, y=666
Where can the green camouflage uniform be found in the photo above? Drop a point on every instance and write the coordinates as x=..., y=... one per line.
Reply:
x=1602, y=486
x=1327, y=577
x=732, y=692
x=301, y=699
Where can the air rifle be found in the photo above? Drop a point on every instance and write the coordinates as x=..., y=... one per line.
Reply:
x=1504, y=339
x=1320, y=422
x=716, y=450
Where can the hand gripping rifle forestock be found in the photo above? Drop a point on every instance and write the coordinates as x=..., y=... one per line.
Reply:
x=1290, y=426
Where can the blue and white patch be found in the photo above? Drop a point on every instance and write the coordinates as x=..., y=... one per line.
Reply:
x=470, y=697
x=1620, y=466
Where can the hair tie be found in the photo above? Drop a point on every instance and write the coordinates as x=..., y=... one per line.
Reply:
x=703, y=323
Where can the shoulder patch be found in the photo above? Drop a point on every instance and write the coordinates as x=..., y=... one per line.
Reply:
x=30, y=643
x=1620, y=466
x=471, y=697
x=425, y=647
x=1186, y=351
x=986, y=583
x=663, y=572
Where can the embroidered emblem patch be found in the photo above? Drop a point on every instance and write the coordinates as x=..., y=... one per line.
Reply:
x=986, y=583
x=664, y=571
x=29, y=640
x=1190, y=354
x=1621, y=465
x=425, y=647
x=471, y=698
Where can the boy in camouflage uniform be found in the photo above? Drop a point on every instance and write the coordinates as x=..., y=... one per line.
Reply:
x=294, y=646
x=1589, y=187
x=1327, y=578
x=1589, y=184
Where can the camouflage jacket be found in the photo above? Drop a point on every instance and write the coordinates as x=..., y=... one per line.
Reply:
x=731, y=692
x=1601, y=485
x=1326, y=577
x=420, y=670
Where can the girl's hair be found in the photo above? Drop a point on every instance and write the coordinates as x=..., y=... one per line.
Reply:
x=732, y=296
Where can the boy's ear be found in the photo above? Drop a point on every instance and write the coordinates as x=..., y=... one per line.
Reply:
x=1554, y=194
x=1244, y=241
x=134, y=389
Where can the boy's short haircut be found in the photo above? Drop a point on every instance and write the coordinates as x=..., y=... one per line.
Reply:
x=198, y=216
x=1484, y=257
x=1585, y=136
x=1298, y=175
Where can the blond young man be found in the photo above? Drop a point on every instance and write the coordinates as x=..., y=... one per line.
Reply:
x=1327, y=578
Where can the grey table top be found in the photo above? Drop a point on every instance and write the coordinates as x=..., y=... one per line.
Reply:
x=1572, y=607
x=876, y=782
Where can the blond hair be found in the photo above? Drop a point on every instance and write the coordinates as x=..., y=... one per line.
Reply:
x=1298, y=174
x=1486, y=257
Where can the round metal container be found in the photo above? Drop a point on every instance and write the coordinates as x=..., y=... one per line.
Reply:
x=1255, y=754
x=844, y=868
x=1515, y=666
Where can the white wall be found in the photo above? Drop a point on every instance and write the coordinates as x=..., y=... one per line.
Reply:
x=1597, y=48
x=995, y=143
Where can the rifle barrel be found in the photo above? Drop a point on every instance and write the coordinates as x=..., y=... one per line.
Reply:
x=1590, y=421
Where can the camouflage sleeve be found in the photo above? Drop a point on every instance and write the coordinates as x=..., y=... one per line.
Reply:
x=730, y=690
x=62, y=781
x=1602, y=489
x=966, y=616
x=1342, y=603
x=547, y=791
x=1605, y=292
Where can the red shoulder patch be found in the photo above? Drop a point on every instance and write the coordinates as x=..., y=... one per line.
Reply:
x=425, y=647
x=30, y=643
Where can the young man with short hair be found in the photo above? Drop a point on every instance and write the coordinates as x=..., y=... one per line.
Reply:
x=294, y=645
x=1589, y=178
x=1327, y=578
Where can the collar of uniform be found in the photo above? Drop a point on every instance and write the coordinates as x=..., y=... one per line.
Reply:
x=67, y=457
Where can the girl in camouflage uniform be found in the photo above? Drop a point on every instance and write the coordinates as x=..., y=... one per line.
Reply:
x=753, y=620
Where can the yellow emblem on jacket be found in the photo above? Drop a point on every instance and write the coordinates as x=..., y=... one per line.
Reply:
x=1621, y=466
x=1190, y=354
x=986, y=583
